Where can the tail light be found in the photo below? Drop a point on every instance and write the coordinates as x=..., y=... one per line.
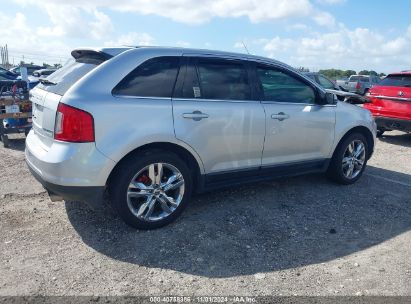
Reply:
x=358, y=86
x=73, y=125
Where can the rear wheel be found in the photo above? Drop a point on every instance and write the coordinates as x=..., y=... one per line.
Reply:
x=349, y=159
x=151, y=189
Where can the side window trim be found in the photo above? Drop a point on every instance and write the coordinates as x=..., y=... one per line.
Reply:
x=282, y=69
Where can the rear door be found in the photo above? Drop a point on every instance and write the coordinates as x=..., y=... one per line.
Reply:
x=216, y=113
x=297, y=129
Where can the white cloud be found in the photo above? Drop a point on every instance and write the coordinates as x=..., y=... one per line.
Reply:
x=132, y=39
x=408, y=33
x=356, y=49
x=102, y=26
x=195, y=12
x=324, y=18
x=24, y=40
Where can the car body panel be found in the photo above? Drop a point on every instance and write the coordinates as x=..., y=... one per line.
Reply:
x=391, y=103
x=306, y=135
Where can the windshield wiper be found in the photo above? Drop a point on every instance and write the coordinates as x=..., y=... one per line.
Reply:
x=47, y=82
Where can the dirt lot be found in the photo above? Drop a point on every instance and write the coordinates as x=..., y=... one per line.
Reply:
x=302, y=236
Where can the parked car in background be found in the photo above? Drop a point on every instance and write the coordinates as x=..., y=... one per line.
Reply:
x=332, y=87
x=154, y=125
x=391, y=103
x=30, y=69
x=361, y=84
x=322, y=80
x=43, y=72
x=7, y=75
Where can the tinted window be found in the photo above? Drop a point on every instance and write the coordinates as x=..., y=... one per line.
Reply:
x=312, y=77
x=325, y=83
x=281, y=87
x=67, y=76
x=396, y=81
x=153, y=78
x=221, y=80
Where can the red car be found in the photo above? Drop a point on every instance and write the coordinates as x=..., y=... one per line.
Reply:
x=391, y=103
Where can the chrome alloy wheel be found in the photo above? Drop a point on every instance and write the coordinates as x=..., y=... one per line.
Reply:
x=155, y=192
x=353, y=159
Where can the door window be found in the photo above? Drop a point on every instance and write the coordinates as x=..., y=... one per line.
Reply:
x=217, y=79
x=282, y=87
x=325, y=83
x=153, y=78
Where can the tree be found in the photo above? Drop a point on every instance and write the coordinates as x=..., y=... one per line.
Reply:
x=382, y=75
x=364, y=72
x=373, y=73
x=348, y=73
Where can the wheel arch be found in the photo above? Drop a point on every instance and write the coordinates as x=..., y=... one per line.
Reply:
x=362, y=130
x=193, y=163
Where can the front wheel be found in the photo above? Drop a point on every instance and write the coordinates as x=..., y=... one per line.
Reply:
x=151, y=189
x=349, y=160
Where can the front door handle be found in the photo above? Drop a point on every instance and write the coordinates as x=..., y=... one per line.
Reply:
x=280, y=116
x=196, y=115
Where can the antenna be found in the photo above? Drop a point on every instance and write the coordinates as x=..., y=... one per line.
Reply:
x=245, y=47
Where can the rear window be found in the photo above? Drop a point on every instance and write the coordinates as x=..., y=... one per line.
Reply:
x=153, y=78
x=62, y=79
x=359, y=78
x=396, y=81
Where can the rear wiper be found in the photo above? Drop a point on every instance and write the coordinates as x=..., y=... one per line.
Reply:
x=47, y=82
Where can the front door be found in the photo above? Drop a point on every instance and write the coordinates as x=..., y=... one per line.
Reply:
x=297, y=129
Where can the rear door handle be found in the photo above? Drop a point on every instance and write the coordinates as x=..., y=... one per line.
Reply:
x=280, y=116
x=196, y=115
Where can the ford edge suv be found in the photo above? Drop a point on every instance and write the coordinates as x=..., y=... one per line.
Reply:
x=150, y=126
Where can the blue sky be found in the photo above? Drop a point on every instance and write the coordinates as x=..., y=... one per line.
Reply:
x=316, y=34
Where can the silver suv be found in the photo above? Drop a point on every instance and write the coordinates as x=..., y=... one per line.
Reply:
x=151, y=126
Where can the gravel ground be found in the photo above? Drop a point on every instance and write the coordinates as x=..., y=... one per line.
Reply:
x=299, y=236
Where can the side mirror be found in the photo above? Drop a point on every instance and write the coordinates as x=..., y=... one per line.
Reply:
x=330, y=98
x=325, y=98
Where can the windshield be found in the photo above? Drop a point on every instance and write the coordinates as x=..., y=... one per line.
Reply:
x=396, y=81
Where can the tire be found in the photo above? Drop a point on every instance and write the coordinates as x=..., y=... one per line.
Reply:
x=380, y=132
x=337, y=171
x=127, y=198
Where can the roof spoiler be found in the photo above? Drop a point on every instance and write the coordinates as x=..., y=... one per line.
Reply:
x=90, y=54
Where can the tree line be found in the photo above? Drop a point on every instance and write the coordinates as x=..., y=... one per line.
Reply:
x=336, y=73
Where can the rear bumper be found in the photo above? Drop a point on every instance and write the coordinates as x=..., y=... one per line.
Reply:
x=92, y=196
x=389, y=123
x=71, y=171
